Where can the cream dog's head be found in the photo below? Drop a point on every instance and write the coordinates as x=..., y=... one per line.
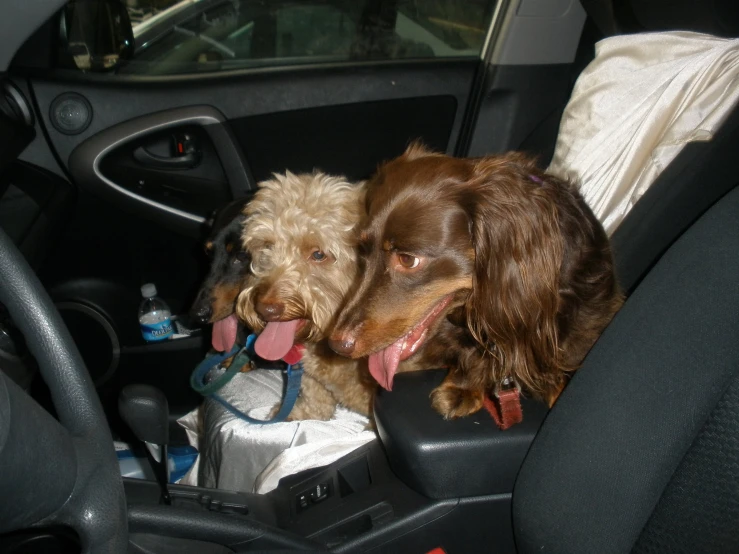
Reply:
x=300, y=232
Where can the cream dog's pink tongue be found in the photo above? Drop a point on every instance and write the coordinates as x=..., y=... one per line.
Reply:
x=276, y=340
x=384, y=364
x=223, y=335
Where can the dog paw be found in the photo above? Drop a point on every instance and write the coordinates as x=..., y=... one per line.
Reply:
x=452, y=402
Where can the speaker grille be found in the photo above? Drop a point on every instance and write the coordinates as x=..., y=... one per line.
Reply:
x=70, y=113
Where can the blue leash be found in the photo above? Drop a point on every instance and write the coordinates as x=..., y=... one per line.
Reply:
x=243, y=356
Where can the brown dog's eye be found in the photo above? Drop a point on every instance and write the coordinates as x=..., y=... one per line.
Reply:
x=408, y=261
x=318, y=256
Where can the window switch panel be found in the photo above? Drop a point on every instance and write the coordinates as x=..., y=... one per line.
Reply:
x=314, y=495
x=320, y=493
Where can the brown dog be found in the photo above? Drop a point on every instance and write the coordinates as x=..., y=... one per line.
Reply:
x=487, y=266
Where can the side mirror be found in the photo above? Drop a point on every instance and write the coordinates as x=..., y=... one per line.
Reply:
x=96, y=35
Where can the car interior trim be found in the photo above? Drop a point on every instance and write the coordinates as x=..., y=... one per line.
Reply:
x=549, y=22
x=495, y=27
x=85, y=160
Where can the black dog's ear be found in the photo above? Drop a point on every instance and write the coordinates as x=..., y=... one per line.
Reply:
x=211, y=220
x=223, y=216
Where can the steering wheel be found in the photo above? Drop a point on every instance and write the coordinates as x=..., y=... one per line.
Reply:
x=55, y=472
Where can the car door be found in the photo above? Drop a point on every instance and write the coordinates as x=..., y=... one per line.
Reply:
x=198, y=100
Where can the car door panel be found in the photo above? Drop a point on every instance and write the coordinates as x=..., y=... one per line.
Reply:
x=342, y=120
x=349, y=139
x=239, y=96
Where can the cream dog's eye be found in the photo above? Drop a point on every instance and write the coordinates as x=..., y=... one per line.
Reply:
x=408, y=261
x=318, y=256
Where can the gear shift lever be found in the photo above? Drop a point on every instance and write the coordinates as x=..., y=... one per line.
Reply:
x=145, y=410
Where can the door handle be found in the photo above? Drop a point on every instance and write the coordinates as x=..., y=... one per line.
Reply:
x=185, y=161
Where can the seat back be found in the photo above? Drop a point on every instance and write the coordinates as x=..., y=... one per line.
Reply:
x=641, y=451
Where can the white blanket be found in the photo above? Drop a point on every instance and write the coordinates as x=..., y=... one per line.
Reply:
x=637, y=104
x=236, y=455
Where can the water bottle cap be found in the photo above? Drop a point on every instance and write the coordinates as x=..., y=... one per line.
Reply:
x=149, y=290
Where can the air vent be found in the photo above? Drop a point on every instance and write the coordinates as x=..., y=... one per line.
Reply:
x=13, y=104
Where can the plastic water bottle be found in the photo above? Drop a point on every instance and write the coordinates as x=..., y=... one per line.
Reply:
x=155, y=317
x=179, y=461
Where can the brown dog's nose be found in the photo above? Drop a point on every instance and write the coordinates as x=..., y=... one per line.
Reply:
x=343, y=345
x=270, y=311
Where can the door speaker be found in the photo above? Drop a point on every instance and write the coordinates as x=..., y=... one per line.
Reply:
x=70, y=113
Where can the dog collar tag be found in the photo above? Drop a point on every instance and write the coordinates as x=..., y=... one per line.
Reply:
x=294, y=355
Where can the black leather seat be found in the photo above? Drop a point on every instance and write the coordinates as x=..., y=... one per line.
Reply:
x=641, y=452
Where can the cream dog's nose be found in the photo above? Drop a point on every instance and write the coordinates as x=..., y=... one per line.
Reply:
x=270, y=311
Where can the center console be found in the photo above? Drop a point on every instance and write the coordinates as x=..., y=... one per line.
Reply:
x=426, y=483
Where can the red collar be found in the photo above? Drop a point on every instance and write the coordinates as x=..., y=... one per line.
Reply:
x=510, y=411
x=294, y=355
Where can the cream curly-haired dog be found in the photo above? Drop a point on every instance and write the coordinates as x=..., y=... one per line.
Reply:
x=300, y=232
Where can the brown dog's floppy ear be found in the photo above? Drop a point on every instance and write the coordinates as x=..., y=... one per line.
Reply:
x=512, y=309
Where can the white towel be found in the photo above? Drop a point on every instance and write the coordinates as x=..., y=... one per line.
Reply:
x=637, y=104
x=236, y=455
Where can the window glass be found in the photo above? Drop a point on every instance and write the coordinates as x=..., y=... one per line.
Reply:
x=217, y=35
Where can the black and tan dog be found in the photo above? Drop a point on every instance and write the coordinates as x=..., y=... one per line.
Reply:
x=229, y=268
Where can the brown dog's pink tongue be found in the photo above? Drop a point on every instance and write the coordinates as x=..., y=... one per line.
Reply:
x=224, y=333
x=384, y=364
x=276, y=340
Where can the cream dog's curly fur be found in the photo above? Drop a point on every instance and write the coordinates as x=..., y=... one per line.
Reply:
x=301, y=233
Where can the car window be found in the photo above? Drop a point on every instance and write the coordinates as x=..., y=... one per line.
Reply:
x=191, y=36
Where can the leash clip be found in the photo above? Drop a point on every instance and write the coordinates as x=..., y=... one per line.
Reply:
x=508, y=384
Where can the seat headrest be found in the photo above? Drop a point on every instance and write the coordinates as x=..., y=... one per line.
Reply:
x=715, y=17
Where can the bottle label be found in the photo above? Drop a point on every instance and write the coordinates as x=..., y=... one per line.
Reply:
x=153, y=332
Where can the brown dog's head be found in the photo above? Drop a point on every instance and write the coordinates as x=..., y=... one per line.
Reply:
x=478, y=234
x=301, y=234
